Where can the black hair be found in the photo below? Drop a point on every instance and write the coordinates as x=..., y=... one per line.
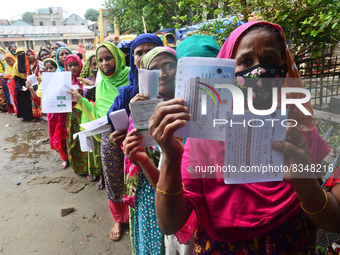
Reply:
x=10, y=46
x=80, y=56
x=270, y=28
x=52, y=63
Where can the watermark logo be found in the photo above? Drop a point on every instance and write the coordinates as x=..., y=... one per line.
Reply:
x=238, y=99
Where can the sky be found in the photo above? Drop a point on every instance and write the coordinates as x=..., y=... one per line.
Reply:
x=73, y=6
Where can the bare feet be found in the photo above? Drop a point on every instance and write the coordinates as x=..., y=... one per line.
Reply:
x=64, y=165
x=91, y=178
x=116, y=231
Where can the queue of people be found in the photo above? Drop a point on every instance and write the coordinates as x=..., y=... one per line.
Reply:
x=169, y=212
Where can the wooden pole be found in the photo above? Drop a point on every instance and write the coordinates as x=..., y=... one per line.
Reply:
x=145, y=31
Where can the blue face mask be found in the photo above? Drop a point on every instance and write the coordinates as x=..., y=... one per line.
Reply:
x=262, y=78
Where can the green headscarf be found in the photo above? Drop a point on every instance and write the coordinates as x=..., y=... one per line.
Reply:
x=198, y=46
x=146, y=60
x=86, y=71
x=106, y=90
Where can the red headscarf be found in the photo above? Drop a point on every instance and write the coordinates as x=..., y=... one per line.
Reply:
x=30, y=70
x=74, y=58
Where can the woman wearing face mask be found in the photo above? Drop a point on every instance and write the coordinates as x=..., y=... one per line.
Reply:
x=61, y=55
x=114, y=74
x=252, y=218
x=12, y=49
x=56, y=121
x=88, y=78
x=21, y=69
x=140, y=177
x=76, y=157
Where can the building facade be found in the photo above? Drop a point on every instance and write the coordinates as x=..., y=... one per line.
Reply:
x=51, y=16
x=74, y=20
x=33, y=37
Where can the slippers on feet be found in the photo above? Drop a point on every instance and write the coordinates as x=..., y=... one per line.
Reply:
x=118, y=234
x=100, y=186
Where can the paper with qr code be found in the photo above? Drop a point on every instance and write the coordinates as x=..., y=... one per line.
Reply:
x=249, y=157
x=195, y=83
x=142, y=111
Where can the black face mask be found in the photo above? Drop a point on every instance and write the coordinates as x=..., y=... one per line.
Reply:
x=94, y=72
x=262, y=78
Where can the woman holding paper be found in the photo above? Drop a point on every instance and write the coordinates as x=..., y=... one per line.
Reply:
x=195, y=46
x=250, y=218
x=114, y=74
x=138, y=192
x=56, y=121
x=76, y=158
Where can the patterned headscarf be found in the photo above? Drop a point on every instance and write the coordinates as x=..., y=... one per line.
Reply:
x=146, y=60
x=61, y=68
x=28, y=68
x=305, y=123
x=74, y=58
x=86, y=72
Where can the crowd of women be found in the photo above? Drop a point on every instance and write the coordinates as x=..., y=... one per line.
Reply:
x=150, y=188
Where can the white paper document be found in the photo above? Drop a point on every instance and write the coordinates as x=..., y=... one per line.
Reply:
x=248, y=154
x=54, y=96
x=95, y=127
x=196, y=81
x=141, y=113
x=148, y=82
x=86, y=142
x=33, y=79
x=119, y=119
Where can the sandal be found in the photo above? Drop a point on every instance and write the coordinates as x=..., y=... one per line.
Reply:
x=100, y=185
x=118, y=234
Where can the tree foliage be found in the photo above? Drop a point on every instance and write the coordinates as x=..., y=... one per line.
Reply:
x=91, y=14
x=28, y=17
x=310, y=26
x=157, y=13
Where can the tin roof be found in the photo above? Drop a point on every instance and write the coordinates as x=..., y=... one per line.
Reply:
x=26, y=31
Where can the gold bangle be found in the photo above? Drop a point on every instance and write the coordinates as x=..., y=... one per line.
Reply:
x=324, y=206
x=170, y=194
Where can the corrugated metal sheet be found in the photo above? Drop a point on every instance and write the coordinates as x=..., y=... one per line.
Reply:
x=43, y=30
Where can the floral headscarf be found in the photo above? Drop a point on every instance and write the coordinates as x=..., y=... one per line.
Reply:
x=305, y=123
